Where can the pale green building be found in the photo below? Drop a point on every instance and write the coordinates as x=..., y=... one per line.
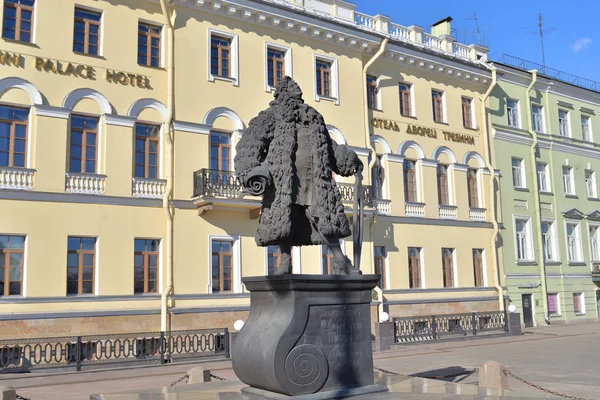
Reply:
x=547, y=147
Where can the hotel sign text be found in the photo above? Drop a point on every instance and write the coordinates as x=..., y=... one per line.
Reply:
x=423, y=131
x=75, y=70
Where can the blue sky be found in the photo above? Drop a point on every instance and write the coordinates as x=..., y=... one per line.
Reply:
x=572, y=46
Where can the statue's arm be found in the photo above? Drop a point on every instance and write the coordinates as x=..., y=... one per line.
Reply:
x=252, y=148
x=347, y=162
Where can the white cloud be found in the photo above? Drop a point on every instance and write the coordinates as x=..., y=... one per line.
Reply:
x=581, y=44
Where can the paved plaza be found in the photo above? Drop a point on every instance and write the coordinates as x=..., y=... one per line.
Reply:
x=563, y=359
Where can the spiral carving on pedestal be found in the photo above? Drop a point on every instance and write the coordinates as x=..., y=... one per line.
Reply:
x=307, y=369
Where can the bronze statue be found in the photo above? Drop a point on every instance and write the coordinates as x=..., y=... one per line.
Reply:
x=287, y=156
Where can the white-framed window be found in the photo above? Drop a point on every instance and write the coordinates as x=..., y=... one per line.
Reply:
x=224, y=267
x=278, y=64
x=553, y=304
x=574, y=253
x=586, y=128
x=373, y=93
x=524, y=251
x=594, y=236
x=19, y=20
x=568, y=180
x=518, y=173
x=438, y=103
x=579, y=303
x=563, y=123
x=549, y=240
x=223, y=56
x=512, y=111
x=590, y=184
x=326, y=78
x=543, y=176
x=537, y=118
x=407, y=99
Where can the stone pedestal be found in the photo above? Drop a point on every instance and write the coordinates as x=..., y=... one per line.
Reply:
x=308, y=336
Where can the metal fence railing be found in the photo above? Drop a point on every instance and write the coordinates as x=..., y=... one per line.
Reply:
x=550, y=72
x=435, y=327
x=78, y=352
x=225, y=184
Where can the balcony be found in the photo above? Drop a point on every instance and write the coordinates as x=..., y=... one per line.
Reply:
x=447, y=211
x=148, y=188
x=383, y=207
x=85, y=183
x=16, y=178
x=212, y=187
x=478, y=214
x=414, y=210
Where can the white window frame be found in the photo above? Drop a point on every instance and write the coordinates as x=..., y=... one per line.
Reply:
x=570, y=185
x=100, y=37
x=590, y=184
x=543, y=177
x=517, y=116
x=552, y=242
x=163, y=35
x=542, y=123
x=236, y=281
x=234, y=79
x=518, y=173
x=528, y=253
x=557, y=313
x=335, y=87
x=412, y=98
x=595, y=258
x=564, y=124
x=581, y=298
x=473, y=114
x=287, y=60
x=578, y=256
x=590, y=133
x=444, y=107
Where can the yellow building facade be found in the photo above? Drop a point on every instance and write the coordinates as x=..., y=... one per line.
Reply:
x=118, y=209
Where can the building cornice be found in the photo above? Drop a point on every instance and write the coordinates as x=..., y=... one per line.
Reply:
x=346, y=32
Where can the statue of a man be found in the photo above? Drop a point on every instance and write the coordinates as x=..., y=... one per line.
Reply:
x=287, y=155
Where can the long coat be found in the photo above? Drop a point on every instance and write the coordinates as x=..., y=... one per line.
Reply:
x=271, y=138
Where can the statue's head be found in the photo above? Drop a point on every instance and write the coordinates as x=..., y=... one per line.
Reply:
x=288, y=87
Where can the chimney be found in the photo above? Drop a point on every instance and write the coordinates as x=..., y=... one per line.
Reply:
x=442, y=27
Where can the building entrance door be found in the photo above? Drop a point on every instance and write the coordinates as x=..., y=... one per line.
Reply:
x=598, y=302
x=527, y=310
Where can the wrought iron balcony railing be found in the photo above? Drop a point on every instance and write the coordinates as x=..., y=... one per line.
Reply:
x=225, y=184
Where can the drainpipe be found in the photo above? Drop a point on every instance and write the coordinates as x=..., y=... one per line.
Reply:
x=538, y=213
x=382, y=48
x=167, y=204
x=490, y=166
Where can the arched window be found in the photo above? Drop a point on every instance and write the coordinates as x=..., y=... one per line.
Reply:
x=13, y=136
x=83, y=149
x=473, y=188
x=378, y=179
x=410, y=181
x=442, y=184
x=220, y=151
x=147, y=150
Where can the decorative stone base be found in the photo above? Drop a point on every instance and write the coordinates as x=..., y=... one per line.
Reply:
x=334, y=394
x=307, y=335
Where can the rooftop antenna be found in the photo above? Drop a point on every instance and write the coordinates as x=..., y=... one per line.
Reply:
x=541, y=31
x=477, y=35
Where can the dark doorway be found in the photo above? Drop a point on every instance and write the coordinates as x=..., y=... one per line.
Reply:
x=598, y=301
x=527, y=310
